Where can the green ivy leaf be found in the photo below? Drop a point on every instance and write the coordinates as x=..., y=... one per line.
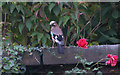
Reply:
x=44, y=40
x=42, y=13
x=21, y=26
x=115, y=14
x=83, y=61
x=95, y=69
x=18, y=8
x=89, y=63
x=75, y=5
x=39, y=36
x=87, y=68
x=112, y=39
x=12, y=7
x=12, y=63
x=51, y=6
x=77, y=57
x=84, y=6
x=34, y=33
x=29, y=24
x=105, y=10
x=16, y=53
x=76, y=14
x=56, y=10
x=61, y=5
x=35, y=27
x=60, y=21
x=66, y=18
x=22, y=10
x=0, y=4
x=5, y=58
x=47, y=35
x=6, y=67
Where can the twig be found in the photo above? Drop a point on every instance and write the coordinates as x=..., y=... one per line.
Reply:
x=37, y=60
x=94, y=29
x=97, y=26
x=84, y=26
x=67, y=35
x=80, y=31
x=74, y=39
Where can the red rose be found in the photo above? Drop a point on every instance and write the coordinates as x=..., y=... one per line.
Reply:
x=82, y=43
x=112, y=59
x=109, y=55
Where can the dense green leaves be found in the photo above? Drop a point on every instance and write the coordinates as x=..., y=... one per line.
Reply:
x=66, y=18
x=61, y=5
x=51, y=6
x=12, y=7
x=0, y=4
x=56, y=10
x=106, y=37
x=77, y=20
x=21, y=26
x=39, y=36
x=29, y=24
x=115, y=14
x=33, y=27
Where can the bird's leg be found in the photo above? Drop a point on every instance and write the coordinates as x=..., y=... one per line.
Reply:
x=53, y=42
x=53, y=45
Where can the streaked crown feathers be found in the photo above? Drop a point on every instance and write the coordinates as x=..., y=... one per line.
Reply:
x=52, y=22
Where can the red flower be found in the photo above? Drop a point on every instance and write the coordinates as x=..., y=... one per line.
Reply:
x=112, y=59
x=109, y=55
x=82, y=43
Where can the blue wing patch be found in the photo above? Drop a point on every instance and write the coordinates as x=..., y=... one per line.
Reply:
x=52, y=34
x=59, y=38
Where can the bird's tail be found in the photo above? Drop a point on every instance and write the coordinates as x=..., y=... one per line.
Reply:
x=60, y=49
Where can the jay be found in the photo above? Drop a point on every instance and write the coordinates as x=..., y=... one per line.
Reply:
x=57, y=36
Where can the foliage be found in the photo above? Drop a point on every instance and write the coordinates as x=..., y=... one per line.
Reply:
x=27, y=23
x=87, y=66
x=12, y=62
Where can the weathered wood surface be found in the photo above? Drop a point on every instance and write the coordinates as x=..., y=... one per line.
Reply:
x=31, y=59
x=92, y=53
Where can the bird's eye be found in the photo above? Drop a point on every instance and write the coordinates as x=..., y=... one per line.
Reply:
x=53, y=24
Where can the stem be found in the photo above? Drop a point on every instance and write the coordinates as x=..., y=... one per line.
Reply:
x=77, y=63
x=84, y=26
x=97, y=26
x=98, y=62
x=67, y=35
x=94, y=29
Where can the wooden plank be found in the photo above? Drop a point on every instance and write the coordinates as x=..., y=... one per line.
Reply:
x=92, y=53
x=33, y=59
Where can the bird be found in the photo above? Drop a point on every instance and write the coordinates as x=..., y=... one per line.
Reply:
x=57, y=36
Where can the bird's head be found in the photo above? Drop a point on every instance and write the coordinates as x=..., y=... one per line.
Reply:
x=53, y=23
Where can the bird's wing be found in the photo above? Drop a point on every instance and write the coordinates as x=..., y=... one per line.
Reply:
x=58, y=38
x=57, y=31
